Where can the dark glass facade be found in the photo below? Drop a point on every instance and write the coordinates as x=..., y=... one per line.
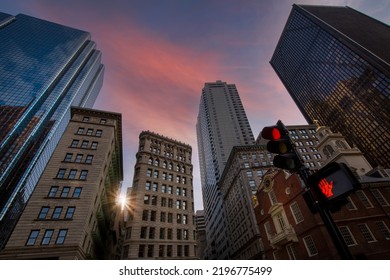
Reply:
x=335, y=63
x=45, y=68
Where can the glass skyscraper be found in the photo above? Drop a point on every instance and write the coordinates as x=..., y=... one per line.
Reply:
x=335, y=63
x=222, y=124
x=45, y=68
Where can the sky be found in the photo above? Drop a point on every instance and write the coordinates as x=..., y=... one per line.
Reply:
x=158, y=54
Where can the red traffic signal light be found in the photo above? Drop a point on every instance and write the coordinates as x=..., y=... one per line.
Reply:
x=280, y=143
x=334, y=182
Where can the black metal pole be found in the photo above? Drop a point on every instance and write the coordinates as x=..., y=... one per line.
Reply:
x=334, y=233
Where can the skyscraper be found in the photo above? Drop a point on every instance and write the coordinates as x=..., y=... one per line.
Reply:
x=45, y=69
x=221, y=125
x=73, y=213
x=161, y=218
x=335, y=63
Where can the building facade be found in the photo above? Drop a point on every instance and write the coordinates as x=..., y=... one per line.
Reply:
x=335, y=64
x=221, y=124
x=161, y=220
x=46, y=69
x=73, y=212
x=291, y=231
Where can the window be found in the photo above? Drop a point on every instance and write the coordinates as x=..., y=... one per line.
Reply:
x=298, y=217
x=72, y=174
x=57, y=212
x=162, y=233
x=292, y=253
x=178, y=204
x=379, y=197
x=147, y=185
x=170, y=189
x=164, y=188
x=366, y=232
x=364, y=199
x=32, y=238
x=153, y=216
x=68, y=157
x=47, y=237
x=43, y=213
x=77, y=192
x=170, y=202
x=65, y=191
x=53, y=191
x=184, y=192
x=89, y=131
x=61, y=173
x=79, y=158
x=155, y=174
x=103, y=121
x=184, y=204
x=146, y=199
x=84, y=144
x=74, y=144
x=179, y=250
x=185, y=234
x=70, y=212
x=85, y=119
x=89, y=159
x=149, y=172
x=154, y=200
x=145, y=215
x=143, y=233
x=150, y=251
x=155, y=187
x=347, y=236
x=178, y=219
x=383, y=229
x=163, y=202
x=162, y=217
x=170, y=218
x=185, y=219
x=272, y=197
x=151, y=232
x=141, y=251
x=99, y=133
x=169, y=250
x=350, y=205
x=178, y=191
x=310, y=246
x=83, y=174
x=61, y=236
x=94, y=145
x=80, y=130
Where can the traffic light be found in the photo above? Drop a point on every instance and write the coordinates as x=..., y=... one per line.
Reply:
x=333, y=183
x=280, y=143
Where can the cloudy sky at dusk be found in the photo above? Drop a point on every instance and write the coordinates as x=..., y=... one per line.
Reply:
x=159, y=53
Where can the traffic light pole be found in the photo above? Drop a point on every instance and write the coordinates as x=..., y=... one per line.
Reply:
x=332, y=229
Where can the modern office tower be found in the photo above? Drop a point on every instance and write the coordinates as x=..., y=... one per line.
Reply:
x=160, y=220
x=45, y=69
x=222, y=124
x=335, y=63
x=73, y=212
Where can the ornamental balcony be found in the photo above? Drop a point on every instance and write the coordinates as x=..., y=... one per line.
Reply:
x=285, y=236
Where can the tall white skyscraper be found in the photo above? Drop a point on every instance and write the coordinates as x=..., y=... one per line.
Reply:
x=222, y=124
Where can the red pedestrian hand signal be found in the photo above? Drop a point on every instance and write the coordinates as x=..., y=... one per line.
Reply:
x=326, y=187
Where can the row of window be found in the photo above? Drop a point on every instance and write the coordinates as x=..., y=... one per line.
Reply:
x=78, y=159
x=47, y=237
x=180, y=218
x=156, y=162
x=56, y=213
x=180, y=204
x=365, y=231
x=149, y=186
x=102, y=121
x=84, y=144
x=366, y=201
x=165, y=176
x=163, y=251
x=73, y=174
x=165, y=233
x=89, y=132
x=64, y=192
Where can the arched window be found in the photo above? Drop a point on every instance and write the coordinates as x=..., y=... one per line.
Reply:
x=328, y=151
x=164, y=164
x=150, y=161
x=156, y=162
